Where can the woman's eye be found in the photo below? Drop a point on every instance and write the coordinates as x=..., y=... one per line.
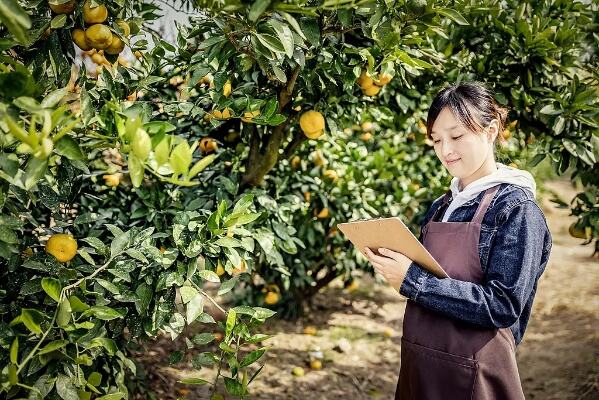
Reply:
x=436, y=141
x=457, y=137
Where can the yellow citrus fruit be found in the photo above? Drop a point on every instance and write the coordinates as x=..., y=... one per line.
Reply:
x=218, y=336
x=365, y=81
x=224, y=114
x=316, y=364
x=366, y=136
x=116, y=45
x=367, y=126
x=576, y=231
x=353, y=286
x=295, y=162
x=324, y=213
x=250, y=115
x=126, y=30
x=513, y=165
x=331, y=174
x=227, y=88
x=383, y=79
x=506, y=134
x=64, y=8
x=138, y=54
x=310, y=330
x=312, y=124
x=372, y=91
x=112, y=180
x=98, y=58
x=241, y=268
x=208, y=145
x=123, y=61
x=298, y=371
x=62, y=246
x=307, y=196
x=271, y=298
x=388, y=332
x=219, y=268
x=422, y=127
x=162, y=249
x=98, y=36
x=78, y=36
x=94, y=15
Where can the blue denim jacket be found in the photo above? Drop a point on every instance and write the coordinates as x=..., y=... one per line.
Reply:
x=514, y=247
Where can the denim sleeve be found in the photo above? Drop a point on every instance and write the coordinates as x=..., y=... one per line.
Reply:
x=513, y=268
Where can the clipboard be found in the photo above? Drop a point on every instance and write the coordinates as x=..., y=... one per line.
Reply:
x=390, y=233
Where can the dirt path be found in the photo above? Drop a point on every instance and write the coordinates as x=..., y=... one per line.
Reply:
x=359, y=335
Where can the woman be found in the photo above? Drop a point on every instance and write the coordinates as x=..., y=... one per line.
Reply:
x=460, y=333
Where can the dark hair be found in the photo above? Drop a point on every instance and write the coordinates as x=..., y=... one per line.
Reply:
x=471, y=103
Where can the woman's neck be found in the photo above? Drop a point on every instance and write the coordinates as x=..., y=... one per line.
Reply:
x=487, y=168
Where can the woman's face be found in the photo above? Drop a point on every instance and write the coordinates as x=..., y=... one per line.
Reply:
x=462, y=151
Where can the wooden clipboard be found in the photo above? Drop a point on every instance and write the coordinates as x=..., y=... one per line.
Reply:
x=390, y=233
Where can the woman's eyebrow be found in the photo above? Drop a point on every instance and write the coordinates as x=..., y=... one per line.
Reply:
x=448, y=129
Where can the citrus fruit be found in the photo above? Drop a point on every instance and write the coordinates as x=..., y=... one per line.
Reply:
x=227, y=88
x=112, y=180
x=366, y=136
x=62, y=246
x=365, y=81
x=310, y=330
x=98, y=36
x=79, y=39
x=94, y=15
x=367, y=126
x=116, y=45
x=295, y=162
x=388, y=332
x=271, y=298
x=383, y=79
x=208, y=145
x=331, y=174
x=219, y=268
x=576, y=231
x=312, y=124
x=372, y=90
x=298, y=371
x=64, y=8
x=316, y=364
x=250, y=115
x=324, y=213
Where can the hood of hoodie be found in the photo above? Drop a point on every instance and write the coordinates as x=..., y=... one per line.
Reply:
x=504, y=174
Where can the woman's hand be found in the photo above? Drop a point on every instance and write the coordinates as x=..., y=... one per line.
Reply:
x=392, y=265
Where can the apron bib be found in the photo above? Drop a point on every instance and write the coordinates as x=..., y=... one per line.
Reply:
x=443, y=357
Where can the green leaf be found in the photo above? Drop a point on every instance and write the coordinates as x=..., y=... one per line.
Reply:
x=95, y=378
x=201, y=165
x=77, y=305
x=32, y=319
x=234, y=387
x=187, y=293
x=252, y=357
x=104, y=313
x=180, y=158
x=119, y=243
x=52, y=99
x=68, y=147
x=58, y=21
x=65, y=388
x=107, y=343
x=113, y=396
x=193, y=381
x=293, y=22
x=285, y=36
x=144, y=296
x=210, y=276
x=53, y=346
x=64, y=313
x=141, y=144
x=194, y=308
x=14, y=350
x=14, y=17
x=258, y=9
x=453, y=15
x=162, y=151
x=312, y=30
x=231, y=319
x=136, y=170
x=52, y=287
x=227, y=286
x=202, y=339
x=34, y=172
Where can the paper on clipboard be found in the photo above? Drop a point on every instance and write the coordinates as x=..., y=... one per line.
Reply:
x=390, y=233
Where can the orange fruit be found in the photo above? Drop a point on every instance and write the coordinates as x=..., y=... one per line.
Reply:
x=64, y=8
x=62, y=246
x=94, y=15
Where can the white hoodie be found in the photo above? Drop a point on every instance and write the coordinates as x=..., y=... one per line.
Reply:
x=504, y=174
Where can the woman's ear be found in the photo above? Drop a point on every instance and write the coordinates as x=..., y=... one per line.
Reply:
x=493, y=130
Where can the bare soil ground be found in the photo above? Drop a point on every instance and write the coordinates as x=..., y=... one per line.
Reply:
x=359, y=335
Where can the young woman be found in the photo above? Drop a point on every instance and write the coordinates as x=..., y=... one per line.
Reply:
x=488, y=233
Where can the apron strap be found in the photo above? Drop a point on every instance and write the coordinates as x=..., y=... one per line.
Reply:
x=484, y=204
x=443, y=204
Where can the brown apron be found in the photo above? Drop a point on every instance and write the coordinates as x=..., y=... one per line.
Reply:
x=445, y=358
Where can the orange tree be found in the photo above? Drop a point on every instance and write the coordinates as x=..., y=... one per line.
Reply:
x=323, y=108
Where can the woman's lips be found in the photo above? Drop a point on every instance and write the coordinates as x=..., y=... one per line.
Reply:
x=451, y=162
